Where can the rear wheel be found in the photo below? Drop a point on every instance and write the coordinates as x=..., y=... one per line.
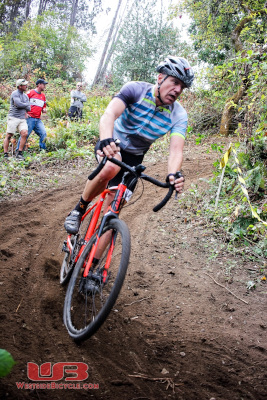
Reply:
x=89, y=300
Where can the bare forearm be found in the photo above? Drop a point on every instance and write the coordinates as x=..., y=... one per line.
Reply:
x=176, y=154
x=175, y=162
x=106, y=126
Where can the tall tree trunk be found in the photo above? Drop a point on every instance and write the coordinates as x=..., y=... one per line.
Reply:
x=112, y=46
x=42, y=6
x=14, y=11
x=100, y=65
x=73, y=12
x=27, y=9
x=229, y=111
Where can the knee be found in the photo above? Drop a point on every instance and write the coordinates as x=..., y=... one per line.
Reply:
x=24, y=134
x=108, y=172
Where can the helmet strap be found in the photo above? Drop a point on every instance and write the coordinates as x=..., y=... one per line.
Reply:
x=159, y=85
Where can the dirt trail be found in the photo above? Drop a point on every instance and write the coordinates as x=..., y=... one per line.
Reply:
x=174, y=333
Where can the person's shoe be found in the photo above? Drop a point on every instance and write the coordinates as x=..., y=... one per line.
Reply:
x=5, y=155
x=20, y=157
x=73, y=222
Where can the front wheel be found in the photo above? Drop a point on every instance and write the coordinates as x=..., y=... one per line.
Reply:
x=90, y=299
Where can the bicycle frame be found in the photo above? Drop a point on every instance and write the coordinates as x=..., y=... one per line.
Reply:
x=112, y=212
x=93, y=224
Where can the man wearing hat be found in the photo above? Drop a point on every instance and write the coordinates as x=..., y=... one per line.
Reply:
x=16, y=119
x=38, y=105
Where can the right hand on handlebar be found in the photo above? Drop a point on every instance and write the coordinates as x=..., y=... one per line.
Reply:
x=177, y=180
x=108, y=147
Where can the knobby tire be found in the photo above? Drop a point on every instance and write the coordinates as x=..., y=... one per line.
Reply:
x=85, y=309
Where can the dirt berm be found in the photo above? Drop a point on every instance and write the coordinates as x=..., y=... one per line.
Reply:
x=173, y=333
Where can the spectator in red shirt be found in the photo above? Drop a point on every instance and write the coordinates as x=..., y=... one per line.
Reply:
x=38, y=105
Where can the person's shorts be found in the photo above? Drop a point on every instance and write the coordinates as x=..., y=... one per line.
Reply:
x=127, y=158
x=16, y=124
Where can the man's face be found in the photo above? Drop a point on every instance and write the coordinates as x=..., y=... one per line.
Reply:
x=170, y=89
x=23, y=88
x=79, y=87
x=41, y=87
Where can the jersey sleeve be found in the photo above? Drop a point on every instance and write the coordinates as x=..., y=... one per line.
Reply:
x=130, y=93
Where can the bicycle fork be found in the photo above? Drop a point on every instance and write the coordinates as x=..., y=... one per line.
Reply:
x=112, y=212
x=108, y=241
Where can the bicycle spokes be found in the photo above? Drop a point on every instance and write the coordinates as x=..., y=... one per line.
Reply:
x=93, y=290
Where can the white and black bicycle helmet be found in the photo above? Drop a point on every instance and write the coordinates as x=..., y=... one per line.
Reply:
x=178, y=67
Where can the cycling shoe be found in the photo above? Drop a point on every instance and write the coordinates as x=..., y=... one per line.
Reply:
x=73, y=222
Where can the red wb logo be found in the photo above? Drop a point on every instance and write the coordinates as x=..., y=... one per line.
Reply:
x=56, y=373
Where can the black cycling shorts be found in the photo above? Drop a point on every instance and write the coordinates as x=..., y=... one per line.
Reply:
x=128, y=158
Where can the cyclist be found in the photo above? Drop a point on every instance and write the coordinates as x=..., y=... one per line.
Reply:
x=138, y=115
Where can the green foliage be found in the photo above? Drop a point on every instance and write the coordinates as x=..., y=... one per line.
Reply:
x=6, y=362
x=146, y=38
x=4, y=107
x=213, y=24
x=44, y=48
x=58, y=107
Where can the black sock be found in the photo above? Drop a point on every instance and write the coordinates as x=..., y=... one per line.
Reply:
x=95, y=261
x=82, y=206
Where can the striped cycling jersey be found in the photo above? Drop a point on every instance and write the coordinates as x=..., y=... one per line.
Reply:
x=142, y=122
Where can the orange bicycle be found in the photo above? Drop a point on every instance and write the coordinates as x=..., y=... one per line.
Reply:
x=96, y=262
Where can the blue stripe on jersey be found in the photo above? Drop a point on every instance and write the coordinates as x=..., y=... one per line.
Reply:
x=152, y=111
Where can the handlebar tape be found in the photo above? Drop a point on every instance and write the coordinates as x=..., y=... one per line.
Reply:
x=165, y=200
x=98, y=169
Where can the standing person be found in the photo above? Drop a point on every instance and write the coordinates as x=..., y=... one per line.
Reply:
x=138, y=115
x=38, y=105
x=16, y=119
x=77, y=100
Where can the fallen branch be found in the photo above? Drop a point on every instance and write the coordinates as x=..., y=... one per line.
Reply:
x=217, y=283
x=137, y=301
x=169, y=381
